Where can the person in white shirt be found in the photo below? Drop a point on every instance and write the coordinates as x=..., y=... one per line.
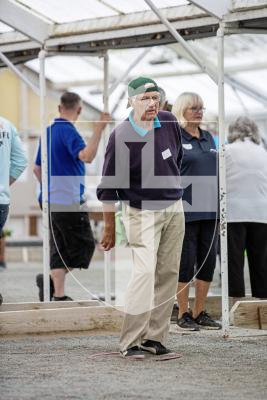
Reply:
x=246, y=178
x=12, y=164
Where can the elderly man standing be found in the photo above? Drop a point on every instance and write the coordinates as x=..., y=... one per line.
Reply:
x=13, y=163
x=142, y=169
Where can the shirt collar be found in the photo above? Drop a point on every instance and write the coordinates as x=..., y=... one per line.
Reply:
x=138, y=129
x=62, y=120
x=189, y=137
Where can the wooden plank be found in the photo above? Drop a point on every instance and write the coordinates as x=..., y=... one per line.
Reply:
x=249, y=314
x=60, y=320
x=48, y=306
x=213, y=305
x=262, y=314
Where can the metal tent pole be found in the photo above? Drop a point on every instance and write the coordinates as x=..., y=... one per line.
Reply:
x=107, y=254
x=222, y=179
x=46, y=260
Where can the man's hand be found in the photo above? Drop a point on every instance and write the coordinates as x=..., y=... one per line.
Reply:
x=108, y=240
x=88, y=154
x=100, y=125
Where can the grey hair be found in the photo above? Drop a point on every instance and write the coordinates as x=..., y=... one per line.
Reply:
x=244, y=127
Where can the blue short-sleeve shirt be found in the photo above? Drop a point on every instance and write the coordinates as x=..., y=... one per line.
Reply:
x=65, y=171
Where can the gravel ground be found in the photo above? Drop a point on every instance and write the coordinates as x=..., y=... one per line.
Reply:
x=58, y=367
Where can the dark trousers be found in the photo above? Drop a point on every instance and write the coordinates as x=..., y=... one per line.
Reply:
x=199, y=250
x=252, y=237
x=71, y=240
x=4, y=208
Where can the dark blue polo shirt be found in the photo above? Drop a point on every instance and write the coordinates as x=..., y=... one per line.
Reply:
x=65, y=171
x=200, y=160
x=147, y=168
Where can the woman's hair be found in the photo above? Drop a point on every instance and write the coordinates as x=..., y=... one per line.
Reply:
x=244, y=127
x=185, y=100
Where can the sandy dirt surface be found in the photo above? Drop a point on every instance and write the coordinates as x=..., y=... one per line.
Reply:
x=58, y=367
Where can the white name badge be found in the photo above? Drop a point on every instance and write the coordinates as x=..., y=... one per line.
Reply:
x=166, y=154
x=187, y=146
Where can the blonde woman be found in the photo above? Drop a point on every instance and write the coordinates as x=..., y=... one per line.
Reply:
x=199, y=166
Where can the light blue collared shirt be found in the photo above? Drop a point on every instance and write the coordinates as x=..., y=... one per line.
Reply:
x=138, y=129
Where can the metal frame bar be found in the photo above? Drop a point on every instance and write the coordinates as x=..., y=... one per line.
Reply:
x=222, y=181
x=107, y=254
x=45, y=209
x=232, y=31
x=25, y=21
x=185, y=18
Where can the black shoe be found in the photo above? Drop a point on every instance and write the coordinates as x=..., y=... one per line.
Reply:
x=205, y=321
x=133, y=353
x=187, y=323
x=40, y=284
x=63, y=298
x=154, y=347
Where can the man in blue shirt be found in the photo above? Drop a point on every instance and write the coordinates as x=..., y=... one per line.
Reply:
x=142, y=169
x=71, y=239
x=13, y=163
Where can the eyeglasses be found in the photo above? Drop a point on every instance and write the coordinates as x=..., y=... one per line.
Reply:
x=197, y=109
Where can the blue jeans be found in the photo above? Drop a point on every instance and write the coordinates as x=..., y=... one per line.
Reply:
x=4, y=208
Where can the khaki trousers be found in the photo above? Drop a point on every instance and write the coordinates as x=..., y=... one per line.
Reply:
x=156, y=239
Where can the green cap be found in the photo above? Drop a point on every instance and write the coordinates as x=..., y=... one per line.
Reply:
x=142, y=85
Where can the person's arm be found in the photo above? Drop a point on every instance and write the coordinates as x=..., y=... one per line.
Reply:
x=37, y=170
x=108, y=239
x=18, y=161
x=88, y=154
x=38, y=173
x=108, y=195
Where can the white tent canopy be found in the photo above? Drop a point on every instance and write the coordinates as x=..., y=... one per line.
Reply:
x=89, y=27
x=96, y=25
